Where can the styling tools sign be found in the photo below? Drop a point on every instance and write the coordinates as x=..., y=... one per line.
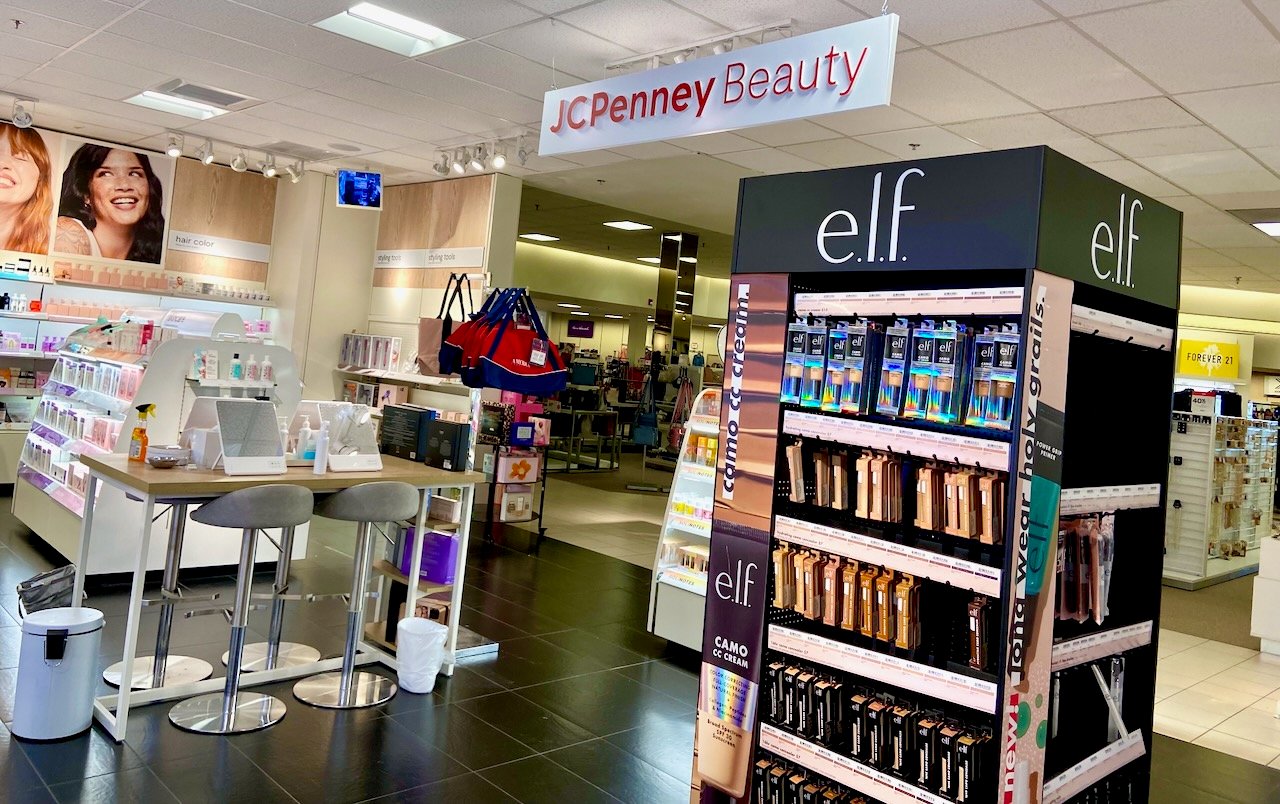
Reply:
x=836, y=70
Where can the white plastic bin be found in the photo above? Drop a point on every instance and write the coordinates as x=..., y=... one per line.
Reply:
x=420, y=652
x=57, y=673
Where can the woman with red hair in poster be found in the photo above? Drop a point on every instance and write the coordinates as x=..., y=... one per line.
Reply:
x=26, y=194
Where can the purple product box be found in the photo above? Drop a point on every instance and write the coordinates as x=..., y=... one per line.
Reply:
x=439, y=556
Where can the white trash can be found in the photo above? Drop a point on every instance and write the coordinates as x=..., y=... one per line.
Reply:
x=420, y=652
x=57, y=673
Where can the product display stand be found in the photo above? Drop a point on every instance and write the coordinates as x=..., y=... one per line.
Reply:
x=934, y=570
x=49, y=492
x=678, y=594
x=1222, y=479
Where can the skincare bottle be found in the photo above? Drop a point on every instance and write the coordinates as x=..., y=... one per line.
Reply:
x=251, y=370
x=305, y=449
x=268, y=370
x=322, y=449
x=22, y=303
x=237, y=368
x=211, y=364
x=197, y=366
x=283, y=421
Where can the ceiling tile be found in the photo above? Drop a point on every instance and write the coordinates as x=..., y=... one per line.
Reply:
x=930, y=86
x=1205, y=258
x=1166, y=141
x=1189, y=45
x=1265, y=199
x=811, y=15
x=469, y=18
x=792, y=132
x=1015, y=131
x=769, y=160
x=593, y=158
x=16, y=67
x=546, y=41
x=402, y=101
x=19, y=47
x=39, y=27
x=345, y=109
x=931, y=141
x=1131, y=115
x=1069, y=70
x=433, y=82
x=1270, y=9
x=286, y=122
x=1232, y=235
x=843, y=152
x=642, y=25
x=720, y=143
x=1194, y=208
x=82, y=62
x=1269, y=156
x=93, y=13
x=1083, y=149
x=1248, y=115
x=651, y=150
x=931, y=22
x=1214, y=172
x=871, y=121
x=1072, y=8
x=553, y=6
x=1265, y=257
x=481, y=62
x=1137, y=177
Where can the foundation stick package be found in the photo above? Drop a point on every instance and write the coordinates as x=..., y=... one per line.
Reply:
x=861, y=352
x=916, y=398
x=893, y=369
x=793, y=369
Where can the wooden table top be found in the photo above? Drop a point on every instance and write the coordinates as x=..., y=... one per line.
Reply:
x=184, y=482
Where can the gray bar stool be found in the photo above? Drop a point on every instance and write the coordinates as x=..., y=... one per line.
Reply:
x=232, y=711
x=274, y=653
x=364, y=504
x=164, y=669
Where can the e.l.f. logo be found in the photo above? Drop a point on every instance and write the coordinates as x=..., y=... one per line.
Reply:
x=873, y=223
x=737, y=587
x=1105, y=240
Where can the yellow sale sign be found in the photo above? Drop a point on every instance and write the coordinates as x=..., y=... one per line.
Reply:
x=1213, y=359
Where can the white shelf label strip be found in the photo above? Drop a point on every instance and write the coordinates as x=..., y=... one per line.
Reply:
x=1092, y=769
x=925, y=443
x=942, y=684
x=921, y=563
x=943, y=301
x=1072, y=652
x=1109, y=498
x=844, y=770
x=1119, y=328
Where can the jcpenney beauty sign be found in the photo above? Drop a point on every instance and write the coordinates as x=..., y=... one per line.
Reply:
x=849, y=67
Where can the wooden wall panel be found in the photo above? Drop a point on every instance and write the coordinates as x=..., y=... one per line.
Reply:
x=215, y=200
x=438, y=214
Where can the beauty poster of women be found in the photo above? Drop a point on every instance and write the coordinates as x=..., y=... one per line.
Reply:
x=27, y=193
x=112, y=202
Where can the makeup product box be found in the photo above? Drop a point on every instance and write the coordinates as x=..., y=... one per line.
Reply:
x=894, y=368
x=541, y=431
x=404, y=431
x=514, y=502
x=447, y=444
x=915, y=400
x=432, y=607
x=495, y=422
x=390, y=394
x=349, y=391
x=521, y=434
x=439, y=555
x=793, y=365
x=862, y=354
x=760, y=780
x=773, y=691
x=858, y=747
x=815, y=365
x=833, y=386
x=518, y=467
x=950, y=369
x=366, y=393
x=994, y=378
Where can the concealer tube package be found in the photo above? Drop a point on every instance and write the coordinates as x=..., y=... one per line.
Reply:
x=894, y=368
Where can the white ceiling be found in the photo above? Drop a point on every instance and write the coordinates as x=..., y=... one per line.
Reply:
x=1178, y=98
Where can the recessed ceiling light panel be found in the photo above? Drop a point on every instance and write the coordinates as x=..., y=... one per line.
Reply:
x=389, y=30
x=611, y=315
x=1269, y=227
x=650, y=260
x=175, y=105
x=568, y=305
x=541, y=238
x=578, y=312
x=630, y=226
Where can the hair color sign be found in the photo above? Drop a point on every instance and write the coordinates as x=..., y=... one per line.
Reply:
x=214, y=246
x=836, y=70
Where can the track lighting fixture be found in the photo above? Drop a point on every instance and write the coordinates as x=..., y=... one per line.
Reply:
x=205, y=153
x=682, y=57
x=174, y=148
x=22, y=113
x=458, y=165
x=441, y=167
x=476, y=162
x=294, y=171
x=499, y=158
x=268, y=166
x=240, y=162
x=722, y=48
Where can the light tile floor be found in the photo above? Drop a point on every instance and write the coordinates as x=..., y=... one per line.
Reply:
x=623, y=525
x=1219, y=696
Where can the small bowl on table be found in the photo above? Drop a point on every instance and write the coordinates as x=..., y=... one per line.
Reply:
x=168, y=457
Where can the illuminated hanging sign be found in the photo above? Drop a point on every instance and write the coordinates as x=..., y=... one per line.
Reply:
x=843, y=68
x=1213, y=360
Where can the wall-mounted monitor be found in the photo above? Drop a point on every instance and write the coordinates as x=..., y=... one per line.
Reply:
x=359, y=189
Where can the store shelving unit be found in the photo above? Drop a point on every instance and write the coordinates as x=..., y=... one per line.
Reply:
x=49, y=498
x=992, y=242
x=1222, y=479
x=678, y=593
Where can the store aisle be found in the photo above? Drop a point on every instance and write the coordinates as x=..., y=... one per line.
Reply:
x=579, y=705
x=620, y=524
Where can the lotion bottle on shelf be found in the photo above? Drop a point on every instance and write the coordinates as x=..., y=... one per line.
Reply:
x=322, y=449
x=268, y=370
x=237, y=368
x=305, y=449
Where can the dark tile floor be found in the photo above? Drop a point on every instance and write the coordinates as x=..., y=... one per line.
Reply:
x=580, y=705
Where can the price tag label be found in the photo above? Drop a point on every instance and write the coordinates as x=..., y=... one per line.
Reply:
x=538, y=353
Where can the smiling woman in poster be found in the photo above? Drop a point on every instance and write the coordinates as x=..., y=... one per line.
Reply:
x=26, y=198
x=112, y=206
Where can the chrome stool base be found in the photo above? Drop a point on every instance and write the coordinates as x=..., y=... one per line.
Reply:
x=204, y=714
x=325, y=690
x=290, y=654
x=177, y=670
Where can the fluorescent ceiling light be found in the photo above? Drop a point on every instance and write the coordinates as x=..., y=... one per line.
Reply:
x=630, y=226
x=650, y=319
x=650, y=260
x=689, y=259
x=1269, y=227
x=578, y=312
x=173, y=104
x=568, y=305
x=683, y=293
x=611, y=315
x=672, y=237
x=541, y=238
x=389, y=30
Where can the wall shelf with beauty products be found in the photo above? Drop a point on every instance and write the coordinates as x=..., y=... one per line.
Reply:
x=958, y=529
